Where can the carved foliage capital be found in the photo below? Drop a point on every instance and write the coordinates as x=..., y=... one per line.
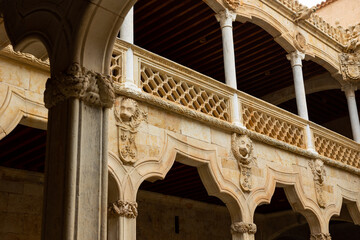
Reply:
x=320, y=236
x=226, y=17
x=128, y=117
x=242, y=148
x=123, y=209
x=350, y=67
x=93, y=88
x=242, y=227
x=319, y=173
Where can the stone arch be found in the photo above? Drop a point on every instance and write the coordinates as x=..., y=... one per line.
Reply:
x=293, y=187
x=187, y=151
x=16, y=108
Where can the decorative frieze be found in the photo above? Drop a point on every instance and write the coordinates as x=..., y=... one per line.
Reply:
x=123, y=209
x=128, y=117
x=351, y=37
x=242, y=227
x=320, y=236
x=91, y=87
x=318, y=170
x=242, y=148
x=350, y=67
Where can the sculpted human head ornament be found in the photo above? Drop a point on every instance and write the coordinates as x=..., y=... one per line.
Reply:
x=242, y=148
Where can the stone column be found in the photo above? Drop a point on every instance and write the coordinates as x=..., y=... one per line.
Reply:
x=226, y=18
x=353, y=112
x=127, y=34
x=76, y=173
x=296, y=58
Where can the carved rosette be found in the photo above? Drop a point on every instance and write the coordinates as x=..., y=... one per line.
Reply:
x=241, y=227
x=93, y=88
x=123, y=209
x=350, y=67
x=242, y=148
x=233, y=4
x=300, y=42
x=128, y=117
x=320, y=236
x=318, y=170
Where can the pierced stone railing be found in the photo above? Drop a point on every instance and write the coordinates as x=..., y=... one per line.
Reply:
x=336, y=146
x=176, y=84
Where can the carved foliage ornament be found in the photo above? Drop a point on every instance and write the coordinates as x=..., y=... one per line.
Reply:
x=242, y=148
x=93, y=88
x=233, y=4
x=128, y=117
x=123, y=209
x=241, y=227
x=350, y=67
x=320, y=236
x=318, y=170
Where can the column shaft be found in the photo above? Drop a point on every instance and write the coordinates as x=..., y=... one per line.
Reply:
x=353, y=113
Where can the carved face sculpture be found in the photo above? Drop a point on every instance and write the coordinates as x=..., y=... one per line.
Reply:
x=127, y=109
x=244, y=146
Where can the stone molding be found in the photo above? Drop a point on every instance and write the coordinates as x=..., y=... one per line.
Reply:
x=318, y=170
x=128, y=117
x=320, y=236
x=350, y=67
x=123, y=209
x=242, y=227
x=91, y=87
x=243, y=150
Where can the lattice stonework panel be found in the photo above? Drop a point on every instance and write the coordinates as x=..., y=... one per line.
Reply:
x=184, y=93
x=337, y=151
x=263, y=123
x=116, y=67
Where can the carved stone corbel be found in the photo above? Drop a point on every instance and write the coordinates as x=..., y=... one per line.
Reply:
x=128, y=117
x=318, y=170
x=242, y=227
x=93, y=88
x=320, y=236
x=123, y=209
x=242, y=148
x=350, y=67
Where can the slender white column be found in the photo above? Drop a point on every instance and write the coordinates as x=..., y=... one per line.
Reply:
x=353, y=112
x=226, y=18
x=127, y=34
x=296, y=64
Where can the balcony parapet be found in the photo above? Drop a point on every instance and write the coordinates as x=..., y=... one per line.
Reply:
x=179, y=89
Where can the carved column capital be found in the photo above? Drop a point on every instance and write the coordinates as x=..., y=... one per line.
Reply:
x=320, y=236
x=349, y=90
x=226, y=17
x=242, y=227
x=123, y=209
x=296, y=58
x=77, y=82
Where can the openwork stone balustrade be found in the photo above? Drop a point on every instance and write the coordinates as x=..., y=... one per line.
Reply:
x=179, y=85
